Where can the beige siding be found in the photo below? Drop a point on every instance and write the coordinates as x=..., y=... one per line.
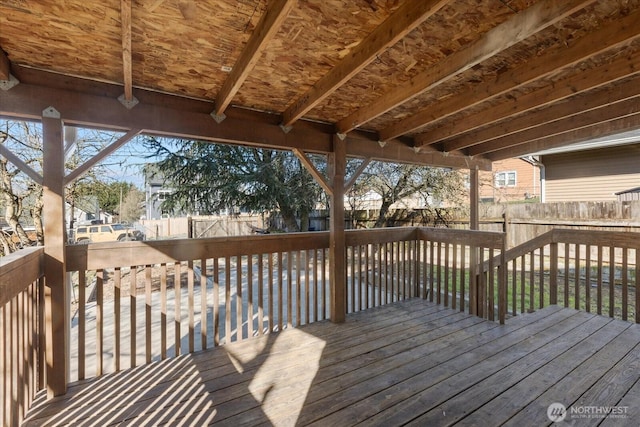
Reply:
x=594, y=175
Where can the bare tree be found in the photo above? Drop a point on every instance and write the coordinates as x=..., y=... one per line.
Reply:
x=21, y=197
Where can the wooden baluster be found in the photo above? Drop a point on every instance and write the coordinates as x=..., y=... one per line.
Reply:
x=117, y=294
x=204, y=308
x=191, y=306
x=625, y=283
x=249, y=296
x=261, y=294
x=216, y=301
x=163, y=311
x=82, y=322
x=177, y=288
x=147, y=313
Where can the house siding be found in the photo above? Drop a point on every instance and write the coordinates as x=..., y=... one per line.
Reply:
x=593, y=175
x=527, y=181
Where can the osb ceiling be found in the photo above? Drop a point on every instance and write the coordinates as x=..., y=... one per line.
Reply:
x=451, y=82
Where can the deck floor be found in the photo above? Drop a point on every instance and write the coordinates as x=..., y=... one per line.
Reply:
x=411, y=362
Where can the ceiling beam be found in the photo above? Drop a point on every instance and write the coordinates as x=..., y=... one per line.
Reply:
x=5, y=66
x=400, y=152
x=519, y=27
x=572, y=106
x=611, y=36
x=597, y=130
x=187, y=118
x=613, y=111
x=125, y=24
x=270, y=22
x=410, y=15
x=570, y=86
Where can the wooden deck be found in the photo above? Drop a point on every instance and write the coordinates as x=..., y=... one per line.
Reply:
x=412, y=362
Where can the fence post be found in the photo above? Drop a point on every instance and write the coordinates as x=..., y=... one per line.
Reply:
x=553, y=273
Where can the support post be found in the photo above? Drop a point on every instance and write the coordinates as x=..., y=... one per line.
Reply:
x=54, y=265
x=474, y=224
x=337, y=250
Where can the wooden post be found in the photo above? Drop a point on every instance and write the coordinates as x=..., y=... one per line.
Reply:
x=553, y=273
x=474, y=199
x=337, y=250
x=54, y=265
x=474, y=224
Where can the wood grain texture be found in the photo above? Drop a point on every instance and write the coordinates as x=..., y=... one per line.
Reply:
x=410, y=362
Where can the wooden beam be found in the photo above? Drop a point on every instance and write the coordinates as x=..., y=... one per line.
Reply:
x=337, y=249
x=356, y=174
x=596, y=130
x=5, y=65
x=187, y=118
x=276, y=13
x=519, y=27
x=35, y=176
x=402, y=153
x=543, y=119
x=611, y=36
x=311, y=168
x=474, y=199
x=125, y=25
x=410, y=15
x=56, y=293
x=568, y=87
x=77, y=172
x=613, y=111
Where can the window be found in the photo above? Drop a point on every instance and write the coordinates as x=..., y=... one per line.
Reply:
x=105, y=229
x=506, y=179
x=93, y=229
x=162, y=194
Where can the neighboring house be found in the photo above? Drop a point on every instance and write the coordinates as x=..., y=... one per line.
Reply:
x=510, y=180
x=588, y=174
x=155, y=193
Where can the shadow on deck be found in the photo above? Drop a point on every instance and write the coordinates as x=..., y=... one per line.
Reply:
x=410, y=362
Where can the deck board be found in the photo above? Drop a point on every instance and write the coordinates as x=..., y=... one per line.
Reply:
x=411, y=362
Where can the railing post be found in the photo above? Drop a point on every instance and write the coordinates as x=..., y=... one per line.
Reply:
x=337, y=248
x=502, y=282
x=553, y=273
x=56, y=307
x=474, y=224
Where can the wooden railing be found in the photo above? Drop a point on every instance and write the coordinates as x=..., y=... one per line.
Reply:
x=381, y=267
x=593, y=271
x=153, y=300
x=21, y=333
x=144, y=301
x=450, y=263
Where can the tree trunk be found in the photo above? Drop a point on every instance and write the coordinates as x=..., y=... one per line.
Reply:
x=289, y=219
x=304, y=221
x=7, y=245
x=36, y=213
x=382, y=216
